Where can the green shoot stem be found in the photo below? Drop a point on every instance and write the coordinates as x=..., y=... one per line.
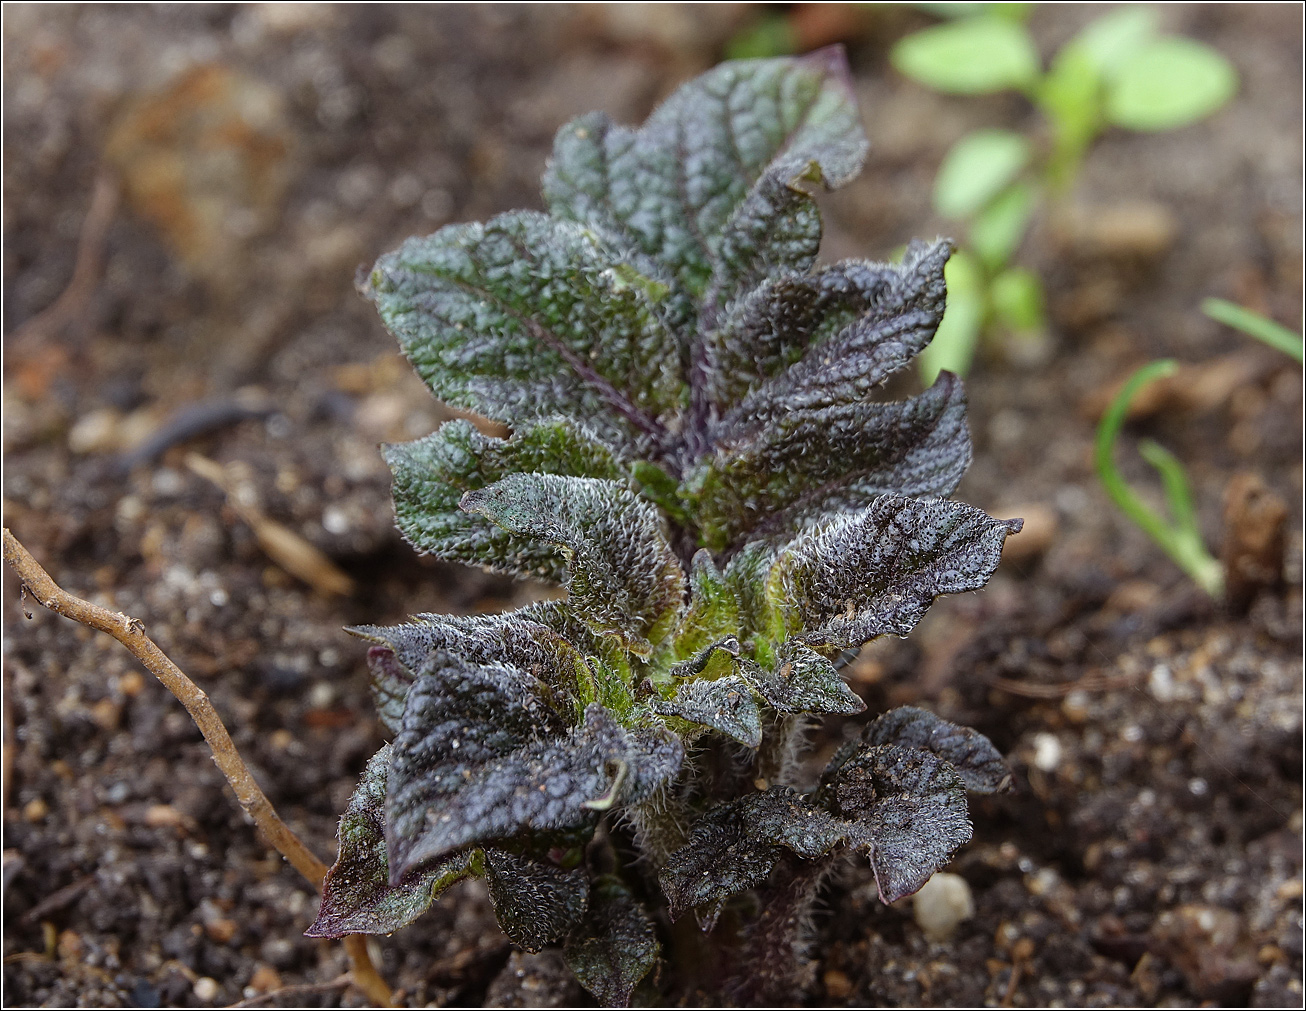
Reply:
x=1255, y=325
x=1179, y=537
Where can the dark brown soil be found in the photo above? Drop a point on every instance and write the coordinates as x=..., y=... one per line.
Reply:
x=1152, y=851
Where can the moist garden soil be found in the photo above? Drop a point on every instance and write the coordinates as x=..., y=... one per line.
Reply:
x=1150, y=852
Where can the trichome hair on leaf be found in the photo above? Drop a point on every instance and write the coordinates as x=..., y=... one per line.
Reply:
x=700, y=456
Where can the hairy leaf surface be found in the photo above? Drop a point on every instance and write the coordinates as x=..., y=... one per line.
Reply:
x=454, y=785
x=735, y=845
x=541, y=639
x=877, y=572
x=813, y=464
x=909, y=807
x=978, y=763
x=432, y=474
x=530, y=316
x=536, y=902
x=803, y=681
x=726, y=705
x=616, y=945
x=697, y=189
x=713, y=611
x=897, y=322
x=357, y=896
x=622, y=576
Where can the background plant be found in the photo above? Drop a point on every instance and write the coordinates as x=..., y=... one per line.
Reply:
x=1118, y=71
x=1177, y=534
x=696, y=456
x=1253, y=324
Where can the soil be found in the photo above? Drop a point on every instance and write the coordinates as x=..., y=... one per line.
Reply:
x=1151, y=852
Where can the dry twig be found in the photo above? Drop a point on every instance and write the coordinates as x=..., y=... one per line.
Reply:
x=298, y=990
x=285, y=547
x=131, y=633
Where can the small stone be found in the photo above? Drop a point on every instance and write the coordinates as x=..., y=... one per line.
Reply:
x=206, y=989
x=942, y=903
x=265, y=978
x=35, y=810
x=837, y=985
x=70, y=946
x=96, y=432
x=1047, y=752
x=281, y=739
x=1076, y=707
x=221, y=930
x=106, y=714
x=132, y=683
x=163, y=816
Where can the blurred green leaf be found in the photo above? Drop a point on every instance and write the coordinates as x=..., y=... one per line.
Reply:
x=1253, y=324
x=971, y=57
x=1071, y=97
x=953, y=346
x=1169, y=83
x=976, y=169
x=954, y=12
x=996, y=233
x=1115, y=37
x=1018, y=302
x=772, y=35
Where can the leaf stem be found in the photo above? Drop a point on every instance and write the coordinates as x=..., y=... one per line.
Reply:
x=131, y=633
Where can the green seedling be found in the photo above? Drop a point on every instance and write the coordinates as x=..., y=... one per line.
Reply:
x=697, y=458
x=1178, y=536
x=1253, y=324
x=1119, y=71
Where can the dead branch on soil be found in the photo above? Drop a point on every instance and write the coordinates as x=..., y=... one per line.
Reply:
x=285, y=547
x=131, y=633
x=298, y=990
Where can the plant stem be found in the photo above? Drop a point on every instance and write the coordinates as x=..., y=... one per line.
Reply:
x=772, y=963
x=1180, y=539
x=131, y=633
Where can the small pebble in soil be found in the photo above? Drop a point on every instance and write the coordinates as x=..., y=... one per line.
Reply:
x=942, y=903
x=1047, y=751
x=206, y=989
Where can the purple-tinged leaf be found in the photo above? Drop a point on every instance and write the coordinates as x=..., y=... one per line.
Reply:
x=448, y=790
x=877, y=572
x=726, y=705
x=813, y=465
x=616, y=945
x=770, y=328
x=803, y=681
x=391, y=681
x=536, y=902
x=977, y=761
x=897, y=324
x=682, y=189
x=734, y=846
x=542, y=639
x=357, y=896
x=432, y=474
x=531, y=316
x=622, y=576
x=909, y=809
